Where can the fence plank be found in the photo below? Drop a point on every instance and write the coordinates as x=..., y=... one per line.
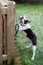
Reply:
x=10, y=31
x=0, y=36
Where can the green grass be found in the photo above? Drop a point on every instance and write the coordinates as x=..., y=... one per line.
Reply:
x=35, y=15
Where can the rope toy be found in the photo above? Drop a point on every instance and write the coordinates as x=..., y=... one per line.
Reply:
x=16, y=31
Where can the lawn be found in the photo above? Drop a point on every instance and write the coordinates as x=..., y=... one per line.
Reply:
x=35, y=15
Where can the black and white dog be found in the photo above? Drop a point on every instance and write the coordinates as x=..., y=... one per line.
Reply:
x=25, y=26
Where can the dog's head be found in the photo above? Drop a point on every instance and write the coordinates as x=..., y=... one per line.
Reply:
x=24, y=20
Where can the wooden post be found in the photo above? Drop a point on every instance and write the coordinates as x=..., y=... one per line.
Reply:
x=7, y=18
x=10, y=31
x=0, y=36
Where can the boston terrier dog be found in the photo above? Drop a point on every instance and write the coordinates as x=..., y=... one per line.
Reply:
x=25, y=26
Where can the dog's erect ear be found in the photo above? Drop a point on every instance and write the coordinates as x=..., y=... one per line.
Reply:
x=21, y=17
x=25, y=18
x=26, y=21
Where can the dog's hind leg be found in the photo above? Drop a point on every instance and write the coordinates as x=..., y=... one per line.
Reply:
x=34, y=51
x=34, y=42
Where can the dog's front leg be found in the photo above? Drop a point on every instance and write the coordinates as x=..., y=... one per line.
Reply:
x=34, y=51
x=23, y=33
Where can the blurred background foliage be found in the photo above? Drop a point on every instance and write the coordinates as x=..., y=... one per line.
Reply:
x=29, y=1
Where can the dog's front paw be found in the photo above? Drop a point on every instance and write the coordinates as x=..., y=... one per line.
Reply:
x=32, y=58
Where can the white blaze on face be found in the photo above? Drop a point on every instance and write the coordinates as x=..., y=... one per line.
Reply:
x=23, y=21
